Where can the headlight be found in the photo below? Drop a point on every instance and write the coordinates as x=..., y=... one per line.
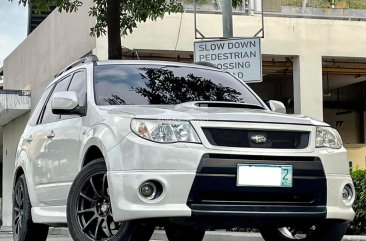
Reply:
x=328, y=137
x=165, y=131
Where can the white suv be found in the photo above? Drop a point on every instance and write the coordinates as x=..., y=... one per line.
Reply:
x=114, y=149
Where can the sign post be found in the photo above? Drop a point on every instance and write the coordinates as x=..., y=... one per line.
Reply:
x=241, y=57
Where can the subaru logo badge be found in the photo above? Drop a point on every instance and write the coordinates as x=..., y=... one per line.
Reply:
x=258, y=139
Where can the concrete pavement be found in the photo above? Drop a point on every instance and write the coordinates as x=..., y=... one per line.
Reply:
x=210, y=236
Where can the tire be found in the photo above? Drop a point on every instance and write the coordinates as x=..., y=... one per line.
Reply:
x=89, y=213
x=184, y=233
x=329, y=231
x=23, y=227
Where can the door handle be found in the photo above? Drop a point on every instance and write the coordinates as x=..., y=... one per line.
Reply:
x=29, y=139
x=51, y=135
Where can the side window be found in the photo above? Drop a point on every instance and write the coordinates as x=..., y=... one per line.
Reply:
x=78, y=84
x=48, y=116
x=37, y=111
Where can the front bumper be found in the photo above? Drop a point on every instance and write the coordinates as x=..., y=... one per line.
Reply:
x=190, y=181
x=128, y=205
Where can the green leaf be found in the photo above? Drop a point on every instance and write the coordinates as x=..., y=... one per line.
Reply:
x=358, y=226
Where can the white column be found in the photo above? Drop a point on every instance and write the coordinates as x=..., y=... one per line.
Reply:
x=11, y=136
x=308, y=85
x=8, y=167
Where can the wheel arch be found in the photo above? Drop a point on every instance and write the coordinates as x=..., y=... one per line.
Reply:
x=23, y=166
x=99, y=140
x=18, y=172
x=92, y=153
x=92, y=149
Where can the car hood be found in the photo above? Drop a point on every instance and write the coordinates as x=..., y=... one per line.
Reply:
x=190, y=111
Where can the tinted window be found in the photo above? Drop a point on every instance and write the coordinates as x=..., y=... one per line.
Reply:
x=149, y=84
x=78, y=84
x=48, y=116
x=35, y=116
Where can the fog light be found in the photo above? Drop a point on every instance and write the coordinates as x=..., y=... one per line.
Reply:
x=148, y=190
x=347, y=194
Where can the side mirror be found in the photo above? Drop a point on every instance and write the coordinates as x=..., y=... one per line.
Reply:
x=65, y=103
x=277, y=106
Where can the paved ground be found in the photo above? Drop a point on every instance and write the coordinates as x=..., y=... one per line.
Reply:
x=211, y=236
x=157, y=237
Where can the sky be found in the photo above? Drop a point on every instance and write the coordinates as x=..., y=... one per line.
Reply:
x=13, y=26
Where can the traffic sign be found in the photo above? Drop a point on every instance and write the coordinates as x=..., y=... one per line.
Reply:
x=241, y=57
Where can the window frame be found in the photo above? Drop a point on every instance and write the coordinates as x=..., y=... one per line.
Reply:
x=51, y=86
x=40, y=121
x=86, y=83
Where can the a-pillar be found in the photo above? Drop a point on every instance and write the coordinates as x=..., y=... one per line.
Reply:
x=308, y=85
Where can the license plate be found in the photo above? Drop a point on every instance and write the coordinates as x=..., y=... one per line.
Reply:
x=264, y=175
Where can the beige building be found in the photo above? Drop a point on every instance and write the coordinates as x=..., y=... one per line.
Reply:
x=313, y=60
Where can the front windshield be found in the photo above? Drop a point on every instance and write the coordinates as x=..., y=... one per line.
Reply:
x=153, y=84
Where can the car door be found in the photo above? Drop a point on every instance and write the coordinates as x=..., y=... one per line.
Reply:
x=33, y=140
x=63, y=145
x=42, y=162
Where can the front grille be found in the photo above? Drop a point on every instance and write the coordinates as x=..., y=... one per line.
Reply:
x=247, y=138
x=215, y=182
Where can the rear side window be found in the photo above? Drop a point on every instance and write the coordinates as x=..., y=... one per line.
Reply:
x=37, y=111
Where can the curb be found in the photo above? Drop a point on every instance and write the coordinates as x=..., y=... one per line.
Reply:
x=210, y=235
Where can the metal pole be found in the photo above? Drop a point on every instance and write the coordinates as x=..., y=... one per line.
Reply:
x=227, y=18
x=249, y=7
x=195, y=19
x=303, y=8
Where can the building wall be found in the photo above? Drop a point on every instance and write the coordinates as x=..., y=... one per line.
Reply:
x=357, y=155
x=58, y=41
x=283, y=36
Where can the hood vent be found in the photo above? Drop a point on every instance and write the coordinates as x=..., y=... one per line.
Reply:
x=223, y=104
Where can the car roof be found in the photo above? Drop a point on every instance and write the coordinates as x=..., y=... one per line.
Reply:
x=154, y=62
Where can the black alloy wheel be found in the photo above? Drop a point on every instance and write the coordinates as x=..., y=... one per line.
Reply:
x=89, y=210
x=23, y=227
x=94, y=209
x=18, y=209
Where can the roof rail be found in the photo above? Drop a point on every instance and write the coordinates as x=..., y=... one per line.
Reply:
x=87, y=59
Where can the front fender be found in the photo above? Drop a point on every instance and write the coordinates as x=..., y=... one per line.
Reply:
x=105, y=137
